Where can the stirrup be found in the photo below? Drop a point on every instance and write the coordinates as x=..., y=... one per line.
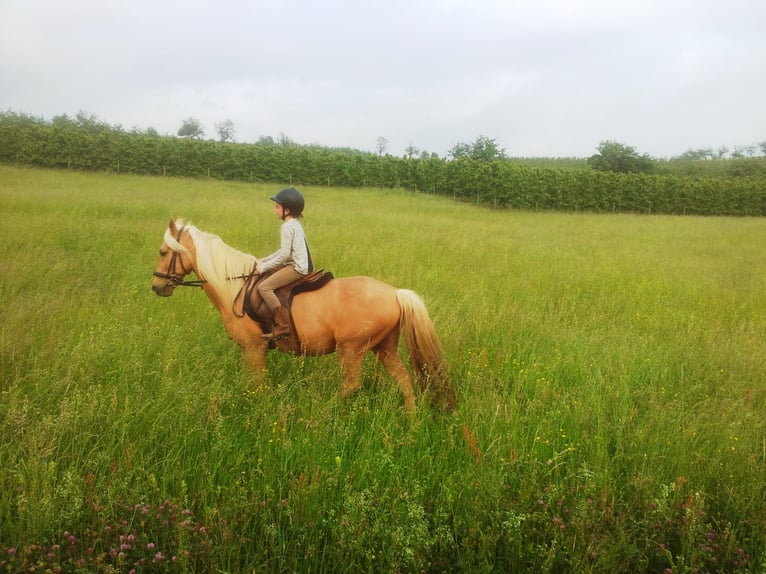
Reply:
x=272, y=337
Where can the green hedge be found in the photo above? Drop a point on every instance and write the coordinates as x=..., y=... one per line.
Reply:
x=501, y=183
x=505, y=185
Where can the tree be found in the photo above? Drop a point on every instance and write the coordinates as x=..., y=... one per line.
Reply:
x=698, y=154
x=191, y=129
x=614, y=156
x=411, y=151
x=744, y=150
x=61, y=121
x=381, y=145
x=150, y=131
x=225, y=130
x=90, y=123
x=266, y=140
x=483, y=149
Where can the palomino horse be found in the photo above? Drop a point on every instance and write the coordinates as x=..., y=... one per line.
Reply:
x=350, y=315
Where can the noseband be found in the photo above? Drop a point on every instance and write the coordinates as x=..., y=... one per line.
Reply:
x=171, y=276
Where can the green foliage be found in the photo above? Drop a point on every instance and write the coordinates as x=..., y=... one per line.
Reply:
x=381, y=145
x=733, y=167
x=701, y=154
x=620, y=158
x=482, y=149
x=225, y=130
x=192, y=128
x=609, y=367
x=722, y=187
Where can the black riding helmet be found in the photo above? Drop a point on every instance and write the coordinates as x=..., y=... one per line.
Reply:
x=292, y=199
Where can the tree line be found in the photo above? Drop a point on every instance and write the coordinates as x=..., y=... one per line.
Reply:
x=616, y=179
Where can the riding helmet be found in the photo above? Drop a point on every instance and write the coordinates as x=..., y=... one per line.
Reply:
x=292, y=199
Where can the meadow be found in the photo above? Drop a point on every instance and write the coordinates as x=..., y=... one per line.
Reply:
x=611, y=375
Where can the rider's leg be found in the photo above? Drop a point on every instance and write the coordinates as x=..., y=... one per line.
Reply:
x=266, y=289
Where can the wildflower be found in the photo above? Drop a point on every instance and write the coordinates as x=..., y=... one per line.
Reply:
x=11, y=551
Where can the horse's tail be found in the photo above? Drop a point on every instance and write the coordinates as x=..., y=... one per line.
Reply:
x=426, y=355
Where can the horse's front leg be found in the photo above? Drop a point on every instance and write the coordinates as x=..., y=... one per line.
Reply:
x=253, y=374
x=246, y=334
x=254, y=360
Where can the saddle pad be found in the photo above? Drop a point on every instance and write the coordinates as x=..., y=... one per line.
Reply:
x=316, y=280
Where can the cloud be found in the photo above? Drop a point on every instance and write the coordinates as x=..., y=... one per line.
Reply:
x=551, y=77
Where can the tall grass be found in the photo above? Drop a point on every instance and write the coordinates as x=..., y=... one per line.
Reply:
x=611, y=375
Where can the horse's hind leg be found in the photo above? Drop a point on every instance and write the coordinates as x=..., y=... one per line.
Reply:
x=386, y=352
x=351, y=365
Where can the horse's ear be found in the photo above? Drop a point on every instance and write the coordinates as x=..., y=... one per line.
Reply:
x=172, y=226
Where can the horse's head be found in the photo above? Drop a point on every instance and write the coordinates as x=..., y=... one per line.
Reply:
x=176, y=261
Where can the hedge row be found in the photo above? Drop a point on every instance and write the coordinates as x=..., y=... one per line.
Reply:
x=499, y=183
x=504, y=185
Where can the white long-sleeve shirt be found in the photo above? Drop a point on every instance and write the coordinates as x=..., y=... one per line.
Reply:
x=293, y=249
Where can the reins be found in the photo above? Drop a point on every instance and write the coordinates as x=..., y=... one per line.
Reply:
x=171, y=274
x=244, y=291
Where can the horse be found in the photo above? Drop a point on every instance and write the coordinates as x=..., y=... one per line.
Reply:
x=349, y=316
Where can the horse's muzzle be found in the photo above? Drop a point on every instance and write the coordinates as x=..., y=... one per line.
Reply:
x=163, y=289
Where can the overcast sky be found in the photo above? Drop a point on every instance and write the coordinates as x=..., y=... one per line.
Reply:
x=541, y=77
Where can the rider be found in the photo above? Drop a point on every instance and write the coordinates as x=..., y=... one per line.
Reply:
x=291, y=262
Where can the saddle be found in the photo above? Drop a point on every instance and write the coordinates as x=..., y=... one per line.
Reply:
x=254, y=307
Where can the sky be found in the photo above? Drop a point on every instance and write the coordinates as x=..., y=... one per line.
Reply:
x=543, y=78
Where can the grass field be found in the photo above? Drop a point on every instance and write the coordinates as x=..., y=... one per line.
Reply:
x=611, y=372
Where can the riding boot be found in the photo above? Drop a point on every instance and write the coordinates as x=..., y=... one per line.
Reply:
x=282, y=324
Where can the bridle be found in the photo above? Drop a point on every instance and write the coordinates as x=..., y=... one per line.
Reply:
x=171, y=276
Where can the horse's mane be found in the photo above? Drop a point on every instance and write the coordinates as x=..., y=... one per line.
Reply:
x=216, y=261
